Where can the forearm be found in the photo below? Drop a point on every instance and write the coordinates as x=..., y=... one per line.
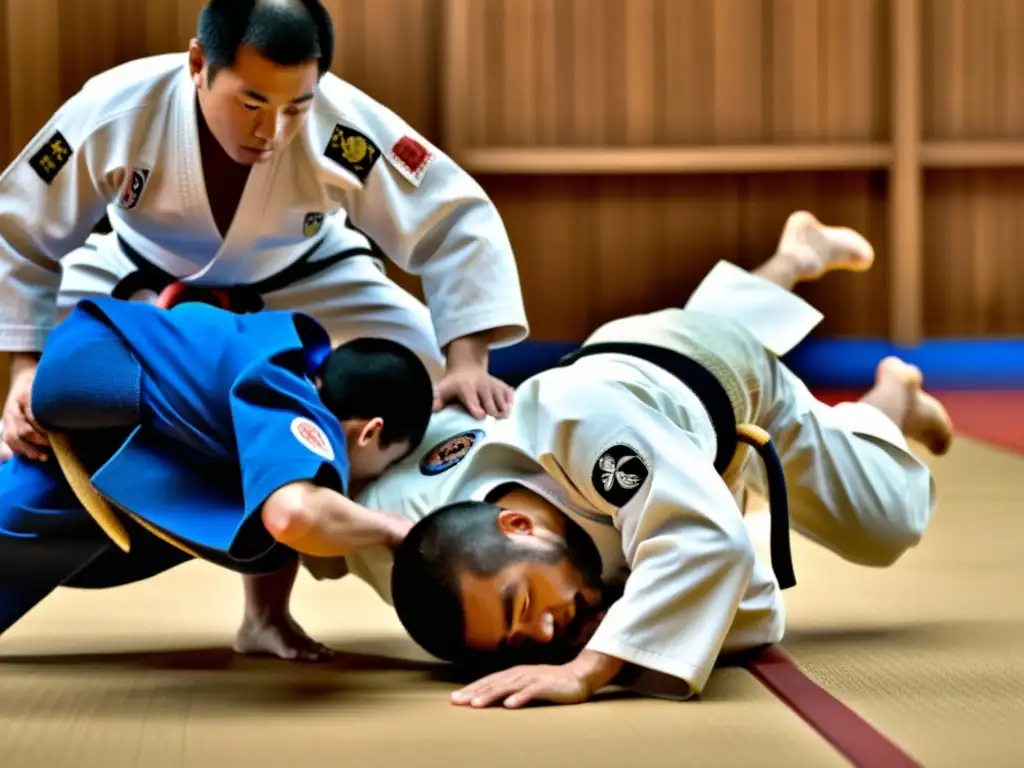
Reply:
x=321, y=522
x=23, y=361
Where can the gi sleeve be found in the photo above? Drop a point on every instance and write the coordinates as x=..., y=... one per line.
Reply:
x=435, y=221
x=50, y=197
x=683, y=538
x=284, y=434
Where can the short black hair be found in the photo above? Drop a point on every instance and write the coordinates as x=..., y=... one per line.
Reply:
x=370, y=377
x=286, y=32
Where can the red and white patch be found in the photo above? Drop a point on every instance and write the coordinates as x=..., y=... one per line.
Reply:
x=412, y=157
x=132, y=187
x=312, y=437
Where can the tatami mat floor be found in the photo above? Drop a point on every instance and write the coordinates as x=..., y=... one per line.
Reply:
x=928, y=652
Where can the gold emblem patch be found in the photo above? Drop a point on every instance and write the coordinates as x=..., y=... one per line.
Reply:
x=450, y=452
x=353, y=151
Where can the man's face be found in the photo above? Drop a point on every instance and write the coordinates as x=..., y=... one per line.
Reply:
x=256, y=107
x=543, y=599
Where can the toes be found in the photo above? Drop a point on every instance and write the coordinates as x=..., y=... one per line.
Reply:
x=849, y=249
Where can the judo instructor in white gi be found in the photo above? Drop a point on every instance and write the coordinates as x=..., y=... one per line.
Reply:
x=599, y=527
x=246, y=171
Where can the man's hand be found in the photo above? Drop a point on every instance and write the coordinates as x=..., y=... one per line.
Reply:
x=21, y=432
x=477, y=390
x=518, y=686
x=572, y=683
x=468, y=381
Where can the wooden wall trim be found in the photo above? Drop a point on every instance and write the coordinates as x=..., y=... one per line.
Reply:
x=454, y=87
x=905, y=182
x=686, y=160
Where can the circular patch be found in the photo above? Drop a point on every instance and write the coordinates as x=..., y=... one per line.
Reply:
x=450, y=452
x=618, y=474
x=312, y=437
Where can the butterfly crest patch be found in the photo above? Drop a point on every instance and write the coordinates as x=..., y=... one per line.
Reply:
x=447, y=453
x=618, y=474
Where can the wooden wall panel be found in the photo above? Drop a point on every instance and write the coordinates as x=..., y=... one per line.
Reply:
x=973, y=67
x=675, y=72
x=974, y=273
x=591, y=249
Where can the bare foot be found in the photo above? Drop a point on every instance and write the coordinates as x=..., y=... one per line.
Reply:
x=927, y=421
x=816, y=249
x=281, y=637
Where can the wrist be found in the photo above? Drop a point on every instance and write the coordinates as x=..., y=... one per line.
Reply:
x=596, y=669
x=469, y=351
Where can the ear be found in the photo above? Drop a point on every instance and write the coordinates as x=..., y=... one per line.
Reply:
x=512, y=521
x=196, y=61
x=369, y=431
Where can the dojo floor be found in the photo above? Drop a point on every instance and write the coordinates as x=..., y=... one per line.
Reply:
x=929, y=654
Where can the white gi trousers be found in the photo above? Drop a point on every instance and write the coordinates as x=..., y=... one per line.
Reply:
x=351, y=298
x=854, y=485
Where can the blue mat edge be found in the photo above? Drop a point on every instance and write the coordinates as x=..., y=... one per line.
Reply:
x=839, y=363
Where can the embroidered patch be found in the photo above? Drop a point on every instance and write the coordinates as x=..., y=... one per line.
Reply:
x=311, y=224
x=131, y=191
x=352, y=150
x=51, y=159
x=412, y=156
x=618, y=474
x=448, y=453
x=311, y=436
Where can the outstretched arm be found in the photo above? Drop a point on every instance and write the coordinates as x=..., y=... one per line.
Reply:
x=319, y=521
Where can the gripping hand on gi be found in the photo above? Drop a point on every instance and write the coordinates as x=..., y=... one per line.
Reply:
x=468, y=381
x=21, y=433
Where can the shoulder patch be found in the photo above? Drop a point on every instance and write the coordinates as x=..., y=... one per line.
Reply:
x=312, y=224
x=618, y=474
x=51, y=158
x=412, y=158
x=312, y=437
x=131, y=190
x=352, y=150
x=447, y=453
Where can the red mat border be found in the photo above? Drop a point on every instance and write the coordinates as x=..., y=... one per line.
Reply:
x=858, y=741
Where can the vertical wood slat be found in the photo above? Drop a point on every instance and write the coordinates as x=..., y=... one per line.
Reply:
x=455, y=69
x=905, y=183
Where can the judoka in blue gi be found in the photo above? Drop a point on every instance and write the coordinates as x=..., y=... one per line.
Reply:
x=234, y=438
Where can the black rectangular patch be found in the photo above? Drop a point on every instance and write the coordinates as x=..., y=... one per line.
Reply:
x=51, y=159
x=353, y=151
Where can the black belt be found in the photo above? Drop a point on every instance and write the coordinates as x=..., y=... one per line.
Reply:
x=730, y=434
x=242, y=299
